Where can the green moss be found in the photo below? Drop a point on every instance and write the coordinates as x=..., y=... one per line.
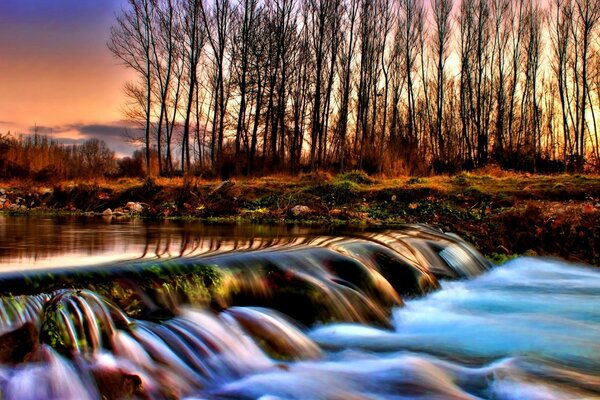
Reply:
x=460, y=180
x=358, y=177
x=501, y=258
x=52, y=330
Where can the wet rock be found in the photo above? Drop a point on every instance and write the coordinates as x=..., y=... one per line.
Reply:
x=405, y=277
x=107, y=213
x=17, y=344
x=278, y=337
x=115, y=383
x=300, y=210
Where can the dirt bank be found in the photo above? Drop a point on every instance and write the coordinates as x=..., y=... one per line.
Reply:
x=502, y=215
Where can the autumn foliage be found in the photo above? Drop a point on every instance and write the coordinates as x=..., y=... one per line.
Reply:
x=42, y=159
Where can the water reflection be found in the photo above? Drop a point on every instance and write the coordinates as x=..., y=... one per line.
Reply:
x=41, y=242
x=34, y=242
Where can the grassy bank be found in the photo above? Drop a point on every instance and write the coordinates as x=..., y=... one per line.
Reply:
x=502, y=214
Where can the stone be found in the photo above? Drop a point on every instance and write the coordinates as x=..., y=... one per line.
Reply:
x=279, y=338
x=134, y=207
x=17, y=344
x=300, y=210
x=107, y=213
x=117, y=383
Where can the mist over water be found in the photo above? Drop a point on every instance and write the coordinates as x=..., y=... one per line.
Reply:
x=527, y=329
x=406, y=314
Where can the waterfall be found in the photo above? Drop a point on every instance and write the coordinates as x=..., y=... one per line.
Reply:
x=402, y=314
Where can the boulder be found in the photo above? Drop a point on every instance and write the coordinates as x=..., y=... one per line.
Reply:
x=300, y=210
x=134, y=207
x=17, y=344
x=107, y=213
x=116, y=383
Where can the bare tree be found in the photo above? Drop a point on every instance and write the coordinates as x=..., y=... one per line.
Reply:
x=131, y=42
x=442, y=10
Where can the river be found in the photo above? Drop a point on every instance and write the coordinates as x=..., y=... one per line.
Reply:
x=95, y=308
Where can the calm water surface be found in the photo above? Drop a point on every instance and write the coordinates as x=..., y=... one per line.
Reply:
x=39, y=242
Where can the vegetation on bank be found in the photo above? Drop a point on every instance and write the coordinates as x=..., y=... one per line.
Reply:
x=502, y=214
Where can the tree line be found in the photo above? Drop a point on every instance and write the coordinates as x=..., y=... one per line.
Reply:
x=39, y=158
x=393, y=86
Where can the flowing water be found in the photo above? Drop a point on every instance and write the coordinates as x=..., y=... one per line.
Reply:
x=112, y=309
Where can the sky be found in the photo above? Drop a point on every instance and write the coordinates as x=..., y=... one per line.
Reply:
x=56, y=72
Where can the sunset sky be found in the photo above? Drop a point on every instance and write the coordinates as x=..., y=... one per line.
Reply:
x=56, y=71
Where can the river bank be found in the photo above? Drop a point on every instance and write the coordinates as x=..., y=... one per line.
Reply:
x=502, y=215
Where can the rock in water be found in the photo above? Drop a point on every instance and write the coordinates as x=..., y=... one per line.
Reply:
x=278, y=337
x=107, y=213
x=17, y=344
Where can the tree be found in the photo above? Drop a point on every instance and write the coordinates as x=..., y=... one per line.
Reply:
x=131, y=41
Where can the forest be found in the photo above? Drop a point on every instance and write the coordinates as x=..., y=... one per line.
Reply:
x=385, y=86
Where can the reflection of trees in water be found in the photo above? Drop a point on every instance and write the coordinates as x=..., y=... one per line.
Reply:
x=40, y=238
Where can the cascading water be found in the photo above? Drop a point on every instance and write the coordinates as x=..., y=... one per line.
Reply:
x=371, y=315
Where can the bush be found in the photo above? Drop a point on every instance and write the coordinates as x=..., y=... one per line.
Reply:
x=358, y=177
x=341, y=192
x=460, y=180
x=131, y=167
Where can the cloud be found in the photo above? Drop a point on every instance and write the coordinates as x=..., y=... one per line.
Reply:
x=119, y=135
x=106, y=131
x=48, y=130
